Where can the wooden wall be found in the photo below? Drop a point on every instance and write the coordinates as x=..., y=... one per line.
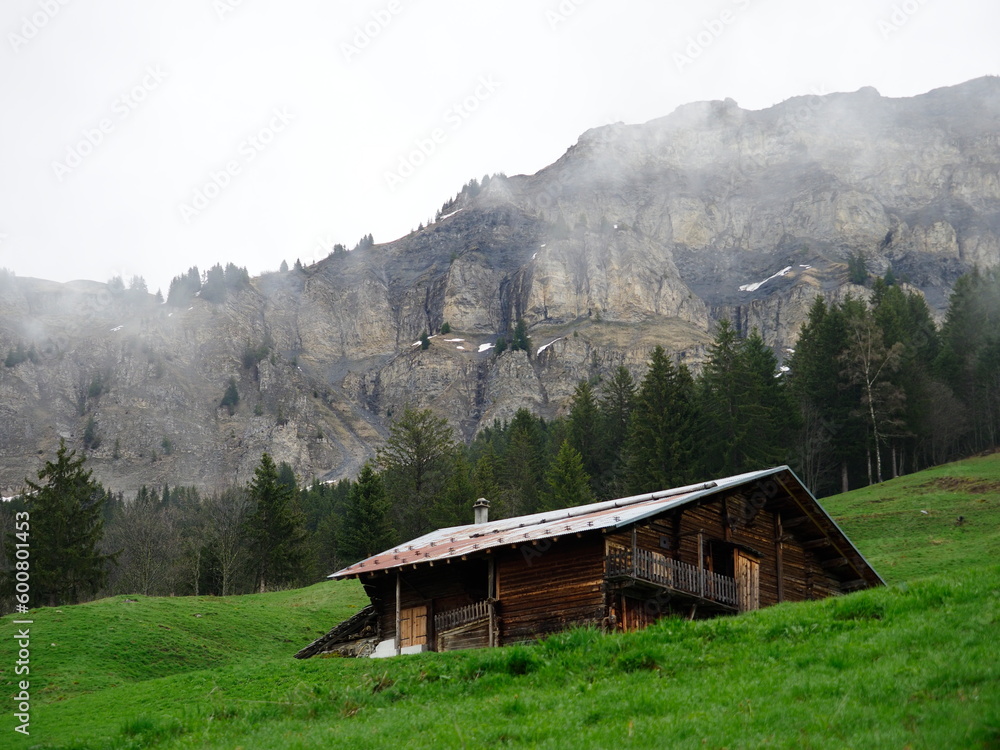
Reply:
x=736, y=520
x=551, y=586
x=441, y=587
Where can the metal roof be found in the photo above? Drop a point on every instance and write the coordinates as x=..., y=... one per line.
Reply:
x=457, y=541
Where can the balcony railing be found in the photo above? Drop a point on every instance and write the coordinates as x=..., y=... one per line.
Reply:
x=652, y=567
x=452, y=618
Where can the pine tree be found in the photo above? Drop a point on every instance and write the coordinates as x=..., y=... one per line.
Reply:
x=366, y=529
x=275, y=528
x=585, y=433
x=415, y=463
x=66, y=528
x=832, y=438
x=617, y=398
x=521, y=340
x=662, y=442
x=566, y=482
x=746, y=414
x=454, y=506
x=524, y=463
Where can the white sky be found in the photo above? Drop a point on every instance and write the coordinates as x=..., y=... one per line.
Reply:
x=181, y=86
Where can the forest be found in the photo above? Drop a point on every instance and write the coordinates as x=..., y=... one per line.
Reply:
x=873, y=390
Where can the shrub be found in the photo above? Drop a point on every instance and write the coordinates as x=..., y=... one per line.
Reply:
x=231, y=398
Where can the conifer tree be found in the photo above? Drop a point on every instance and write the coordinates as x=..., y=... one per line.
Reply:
x=415, y=464
x=366, y=529
x=617, y=398
x=662, y=442
x=454, y=506
x=566, y=483
x=275, y=528
x=746, y=414
x=524, y=463
x=585, y=432
x=66, y=528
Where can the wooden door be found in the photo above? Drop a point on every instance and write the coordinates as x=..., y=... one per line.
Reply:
x=747, y=581
x=413, y=626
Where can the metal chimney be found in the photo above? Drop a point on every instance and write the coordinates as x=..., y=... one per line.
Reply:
x=482, y=510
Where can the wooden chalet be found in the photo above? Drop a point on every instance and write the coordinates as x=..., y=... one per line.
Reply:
x=720, y=547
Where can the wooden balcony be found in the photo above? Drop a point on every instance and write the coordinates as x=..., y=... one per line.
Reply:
x=640, y=568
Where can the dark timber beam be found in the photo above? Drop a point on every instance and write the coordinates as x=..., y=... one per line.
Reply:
x=817, y=543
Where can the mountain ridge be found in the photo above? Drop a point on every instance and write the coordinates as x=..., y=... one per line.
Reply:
x=636, y=235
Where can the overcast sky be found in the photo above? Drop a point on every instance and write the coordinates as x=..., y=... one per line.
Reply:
x=147, y=137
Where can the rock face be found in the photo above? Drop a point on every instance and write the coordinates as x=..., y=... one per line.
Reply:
x=638, y=235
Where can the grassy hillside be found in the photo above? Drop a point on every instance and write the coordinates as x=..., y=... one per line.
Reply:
x=911, y=665
x=910, y=526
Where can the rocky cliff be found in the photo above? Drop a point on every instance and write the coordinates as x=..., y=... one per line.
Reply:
x=637, y=235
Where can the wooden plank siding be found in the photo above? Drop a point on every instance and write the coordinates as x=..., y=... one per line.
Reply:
x=755, y=534
x=440, y=588
x=738, y=521
x=549, y=591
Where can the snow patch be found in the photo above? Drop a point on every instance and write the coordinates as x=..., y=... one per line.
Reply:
x=116, y=329
x=801, y=266
x=759, y=284
x=485, y=347
x=546, y=346
x=453, y=341
x=460, y=348
x=448, y=216
x=534, y=256
x=542, y=245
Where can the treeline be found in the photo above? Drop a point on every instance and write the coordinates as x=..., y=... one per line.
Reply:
x=68, y=539
x=881, y=391
x=214, y=286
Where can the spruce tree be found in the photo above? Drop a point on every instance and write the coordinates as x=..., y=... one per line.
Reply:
x=66, y=527
x=746, y=414
x=566, y=482
x=366, y=529
x=585, y=433
x=662, y=443
x=275, y=528
x=453, y=507
x=416, y=469
x=617, y=398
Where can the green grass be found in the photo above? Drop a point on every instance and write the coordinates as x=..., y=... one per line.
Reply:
x=908, y=527
x=909, y=665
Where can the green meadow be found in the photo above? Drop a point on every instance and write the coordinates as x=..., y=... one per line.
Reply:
x=913, y=664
